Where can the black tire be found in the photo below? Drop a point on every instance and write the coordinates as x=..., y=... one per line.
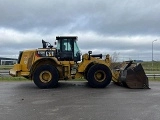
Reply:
x=99, y=76
x=86, y=70
x=46, y=76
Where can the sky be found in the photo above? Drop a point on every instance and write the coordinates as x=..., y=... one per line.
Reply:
x=126, y=29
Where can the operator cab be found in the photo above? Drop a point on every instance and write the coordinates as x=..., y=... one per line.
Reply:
x=67, y=48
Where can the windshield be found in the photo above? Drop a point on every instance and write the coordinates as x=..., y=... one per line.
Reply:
x=68, y=45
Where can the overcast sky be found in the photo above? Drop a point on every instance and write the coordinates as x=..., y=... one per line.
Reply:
x=127, y=27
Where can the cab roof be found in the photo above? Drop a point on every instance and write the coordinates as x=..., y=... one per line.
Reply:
x=66, y=37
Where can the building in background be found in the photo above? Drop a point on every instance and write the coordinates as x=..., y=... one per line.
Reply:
x=7, y=61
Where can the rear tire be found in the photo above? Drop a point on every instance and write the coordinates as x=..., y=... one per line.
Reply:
x=99, y=76
x=46, y=76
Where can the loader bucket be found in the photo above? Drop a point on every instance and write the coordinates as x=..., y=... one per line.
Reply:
x=133, y=76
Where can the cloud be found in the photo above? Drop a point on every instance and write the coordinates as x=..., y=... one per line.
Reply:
x=125, y=27
x=103, y=17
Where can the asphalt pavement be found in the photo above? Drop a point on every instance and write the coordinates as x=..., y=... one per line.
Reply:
x=77, y=101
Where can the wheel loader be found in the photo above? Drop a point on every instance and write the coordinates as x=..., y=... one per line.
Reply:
x=49, y=64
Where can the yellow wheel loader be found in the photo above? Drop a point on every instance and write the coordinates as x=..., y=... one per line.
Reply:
x=47, y=65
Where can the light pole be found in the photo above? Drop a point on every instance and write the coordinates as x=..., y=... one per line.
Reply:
x=152, y=51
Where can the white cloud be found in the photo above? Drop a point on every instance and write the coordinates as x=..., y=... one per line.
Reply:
x=125, y=27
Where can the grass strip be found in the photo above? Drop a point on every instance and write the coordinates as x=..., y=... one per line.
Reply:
x=10, y=78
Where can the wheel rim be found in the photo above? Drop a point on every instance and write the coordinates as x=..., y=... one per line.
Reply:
x=100, y=76
x=45, y=76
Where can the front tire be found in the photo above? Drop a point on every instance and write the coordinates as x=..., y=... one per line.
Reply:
x=99, y=76
x=46, y=76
